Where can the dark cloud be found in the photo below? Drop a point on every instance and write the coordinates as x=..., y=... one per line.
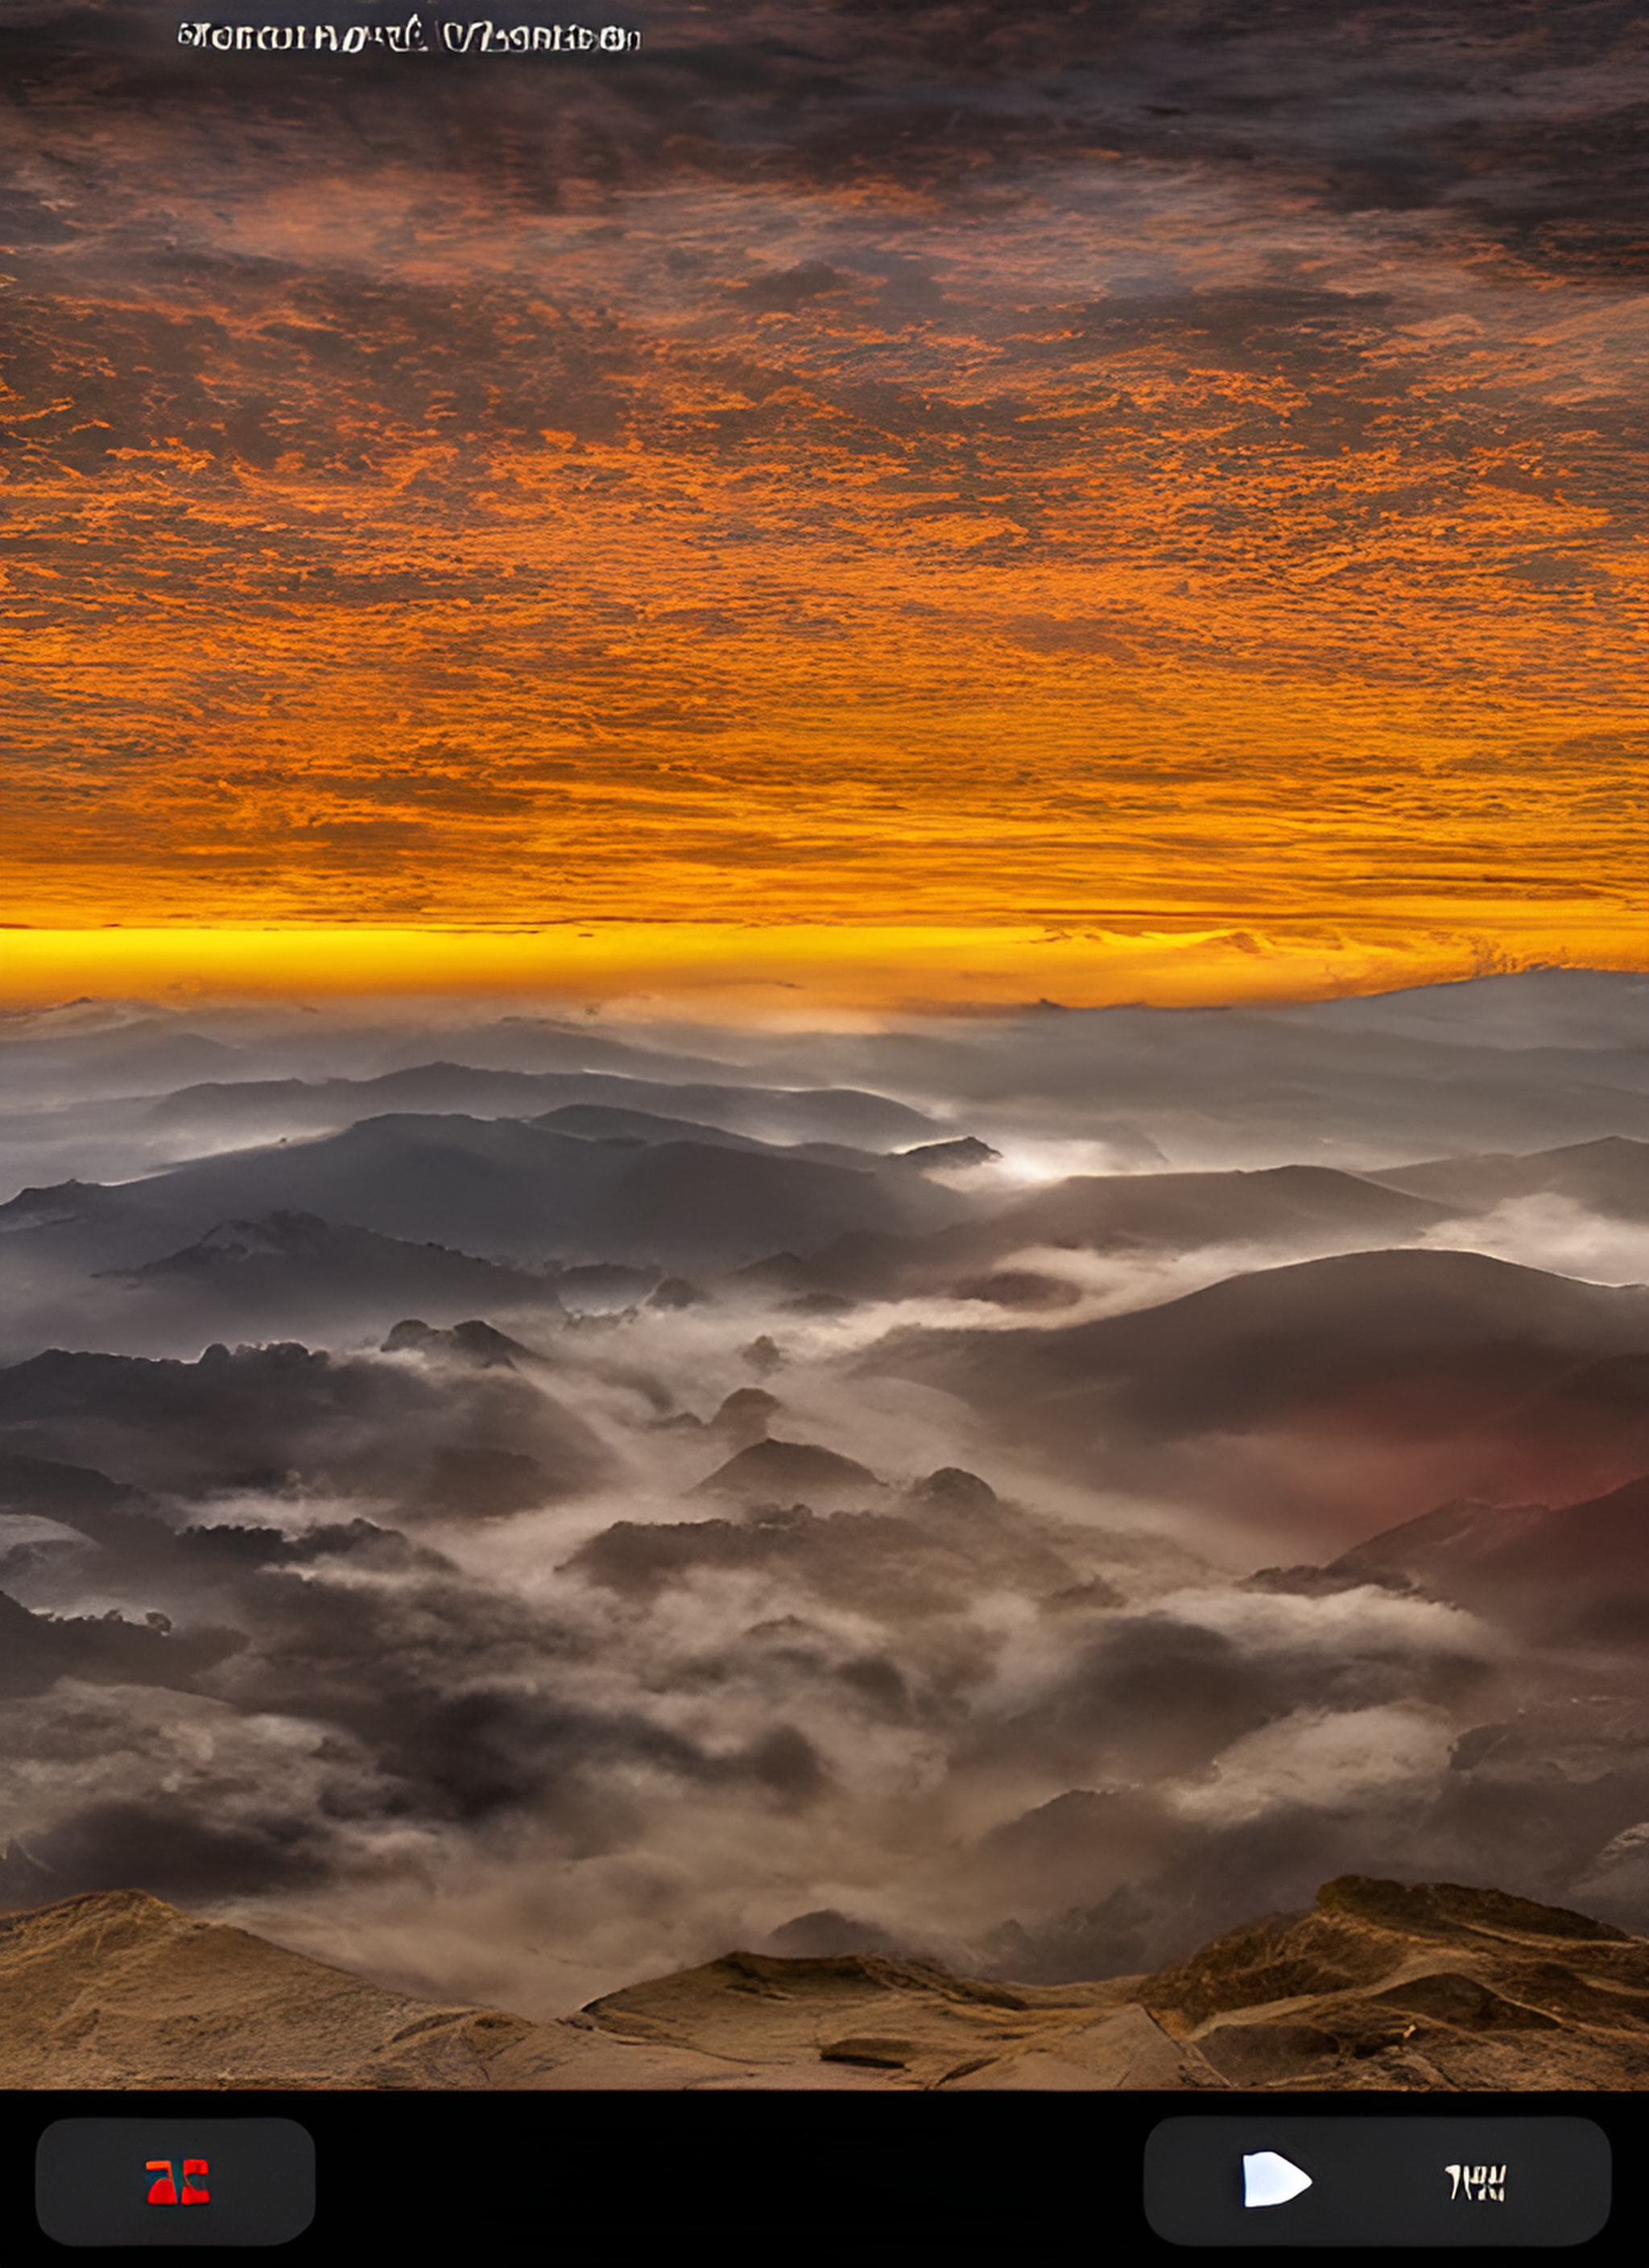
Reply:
x=174, y=1850
x=789, y=287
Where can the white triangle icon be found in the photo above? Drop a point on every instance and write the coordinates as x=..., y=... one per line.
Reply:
x=1268, y=2179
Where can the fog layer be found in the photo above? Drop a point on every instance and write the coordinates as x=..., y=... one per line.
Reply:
x=969, y=1487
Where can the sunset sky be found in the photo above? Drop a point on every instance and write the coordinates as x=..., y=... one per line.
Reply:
x=915, y=504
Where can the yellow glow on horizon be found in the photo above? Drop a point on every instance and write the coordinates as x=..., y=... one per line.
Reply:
x=794, y=973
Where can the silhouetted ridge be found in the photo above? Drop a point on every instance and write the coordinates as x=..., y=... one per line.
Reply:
x=783, y=1471
x=1577, y=1566
x=1610, y=1176
x=260, y=1416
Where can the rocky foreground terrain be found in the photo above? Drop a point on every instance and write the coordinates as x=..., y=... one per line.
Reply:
x=1383, y=1985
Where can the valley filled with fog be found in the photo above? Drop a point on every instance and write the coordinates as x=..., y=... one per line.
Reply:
x=513, y=1503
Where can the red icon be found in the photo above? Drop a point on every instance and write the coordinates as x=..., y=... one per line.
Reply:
x=163, y=2190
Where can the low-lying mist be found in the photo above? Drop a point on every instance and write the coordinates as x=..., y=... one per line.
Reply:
x=1039, y=1561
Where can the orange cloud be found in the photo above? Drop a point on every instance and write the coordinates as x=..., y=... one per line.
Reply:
x=1108, y=535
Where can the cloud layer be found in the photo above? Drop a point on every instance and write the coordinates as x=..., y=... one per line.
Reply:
x=1153, y=472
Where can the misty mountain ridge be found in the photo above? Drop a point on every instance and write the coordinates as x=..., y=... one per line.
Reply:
x=843, y=1115
x=501, y=1189
x=271, y=1416
x=1457, y=1373
x=1575, y=1009
x=1293, y=1207
x=1363, y=1084
x=292, y=1271
x=1423, y=1345
x=1609, y=1176
x=615, y=1187
x=94, y=1049
x=149, y=1053
x=1571, y=1572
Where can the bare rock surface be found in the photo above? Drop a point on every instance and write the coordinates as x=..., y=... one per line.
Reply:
x=1428, y=1987
x=906, y=2022
x=118, y=1989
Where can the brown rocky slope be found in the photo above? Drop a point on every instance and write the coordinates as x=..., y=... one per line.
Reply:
x=1383, y=1985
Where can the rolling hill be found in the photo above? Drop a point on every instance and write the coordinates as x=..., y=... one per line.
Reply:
x=1382, y=1986
x=1425, y=1373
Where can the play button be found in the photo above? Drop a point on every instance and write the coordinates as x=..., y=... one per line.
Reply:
x=1268, y=2179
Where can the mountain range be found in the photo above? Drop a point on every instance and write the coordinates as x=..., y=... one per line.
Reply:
x=500, y=1188
x=1610, y=1176
x=1382, y=1986
x=1488, y=1376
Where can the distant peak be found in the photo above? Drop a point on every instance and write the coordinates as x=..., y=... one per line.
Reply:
x=64, y=1915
